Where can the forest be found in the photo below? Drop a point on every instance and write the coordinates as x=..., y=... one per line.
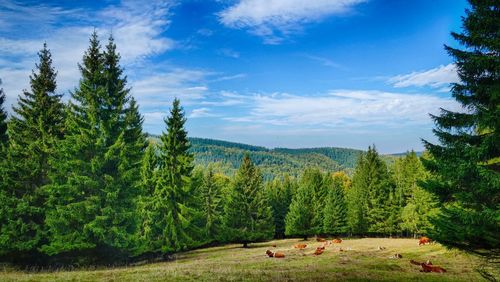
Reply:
x=83, y=184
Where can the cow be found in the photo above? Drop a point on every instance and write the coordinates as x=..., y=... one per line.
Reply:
x=337, y=241
x=269, y=253
x=321, y=248
x=428, y=267
x=424, y=240
x=279, y=255
x=318, y=251
x=300, y=246
x=319, y=239
x=274, y=245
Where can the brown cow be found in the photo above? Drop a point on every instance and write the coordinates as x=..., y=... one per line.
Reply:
x=274, y=245
x=318, y=251
x=300, y=246
x=337, y=241
x=319, y=239
x=424, y=240
x=279, y=255
x=321, y=248
x=269, y=253
x=428, y=267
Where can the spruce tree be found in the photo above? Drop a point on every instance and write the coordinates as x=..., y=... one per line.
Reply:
x=248, y=216
x=357, y=198
x=33, y=133
x=301, y=219
x=96, y=183
x=380, y=194
x=335, y=211
x=169, y=216
x=212, y=206
x=3, y=120
x=279, y=193
x=465, y=164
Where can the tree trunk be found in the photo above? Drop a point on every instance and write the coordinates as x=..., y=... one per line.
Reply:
x=245, y=245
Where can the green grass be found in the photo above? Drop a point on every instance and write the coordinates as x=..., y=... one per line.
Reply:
x=362, y=262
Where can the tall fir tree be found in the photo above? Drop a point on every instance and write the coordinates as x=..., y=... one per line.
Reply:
x=248, y=216
x=279, y=193
x=212, y=206
x=466, y=163
x=3, y=120
x=301, y=219
x=93, y=196
x=357, y=198
x=33, y=133
x=169, y=216
x=335, y=211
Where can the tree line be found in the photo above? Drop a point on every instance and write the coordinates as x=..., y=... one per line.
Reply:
x=82, y=184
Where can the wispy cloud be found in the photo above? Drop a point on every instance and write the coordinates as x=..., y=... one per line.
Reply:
x=229, y=53
x=201, y=113
x=435, y=78
x=324, y=61
x=130, y=22
x=274, y=20
x=345, y=109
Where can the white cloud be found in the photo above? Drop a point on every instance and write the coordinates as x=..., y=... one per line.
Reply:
x=346, y=109
x=229, y=53
x=201, y=112
x=265, y=17
x=435, y=78
x=137, y=30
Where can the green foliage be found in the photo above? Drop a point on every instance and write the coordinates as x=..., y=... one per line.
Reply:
x=335, y=211
x=212, y=206
x=3, y=121
x=465, y=165
x=169, y=217
x=248, y=216
x=302, y=218
x=33, y=133
x=279, y=193
x=93, y=196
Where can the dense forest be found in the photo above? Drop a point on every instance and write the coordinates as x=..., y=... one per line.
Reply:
x=273, y=162
x=83, y=184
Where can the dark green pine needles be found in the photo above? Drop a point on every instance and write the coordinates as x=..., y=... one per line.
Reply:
x=466, y=163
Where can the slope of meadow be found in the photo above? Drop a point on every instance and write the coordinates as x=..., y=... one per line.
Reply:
x=361, y=261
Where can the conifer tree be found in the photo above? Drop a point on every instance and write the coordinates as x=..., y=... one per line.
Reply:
x=313, y=179
x=301, y=219
x=248, y=216
x=93, y=196
x=279, y=194
x=212, y=205
x=3, y=120
x=335, y=211
x=357, y=198
x=33, y=134
x=380, y=194
x=169, y=216
x=466, y=163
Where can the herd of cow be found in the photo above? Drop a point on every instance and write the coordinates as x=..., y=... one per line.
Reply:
x=426, y=266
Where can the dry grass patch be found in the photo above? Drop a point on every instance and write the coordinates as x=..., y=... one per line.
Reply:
x=360, y=260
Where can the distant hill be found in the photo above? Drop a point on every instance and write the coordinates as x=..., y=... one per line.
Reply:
x=274, y=162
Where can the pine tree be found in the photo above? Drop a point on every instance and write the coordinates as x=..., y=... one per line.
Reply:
x=248, y=216
x=93, y=196
x=212, y=206
x=466, y=162
x=33, y=134
x=335, y=211
x=313, y=179
x=301, y=219
x=357, y=198
x=279, y=194
x=3, y=120
x=169, y=216
x=380, y=194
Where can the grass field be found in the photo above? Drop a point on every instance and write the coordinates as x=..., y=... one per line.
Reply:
x=361, y=262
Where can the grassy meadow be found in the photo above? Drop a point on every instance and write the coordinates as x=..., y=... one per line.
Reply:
x=360, y=260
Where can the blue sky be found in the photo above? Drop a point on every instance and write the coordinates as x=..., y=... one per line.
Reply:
x=276, y=73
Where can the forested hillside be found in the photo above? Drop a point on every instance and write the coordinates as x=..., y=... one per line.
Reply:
x=277, y=161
